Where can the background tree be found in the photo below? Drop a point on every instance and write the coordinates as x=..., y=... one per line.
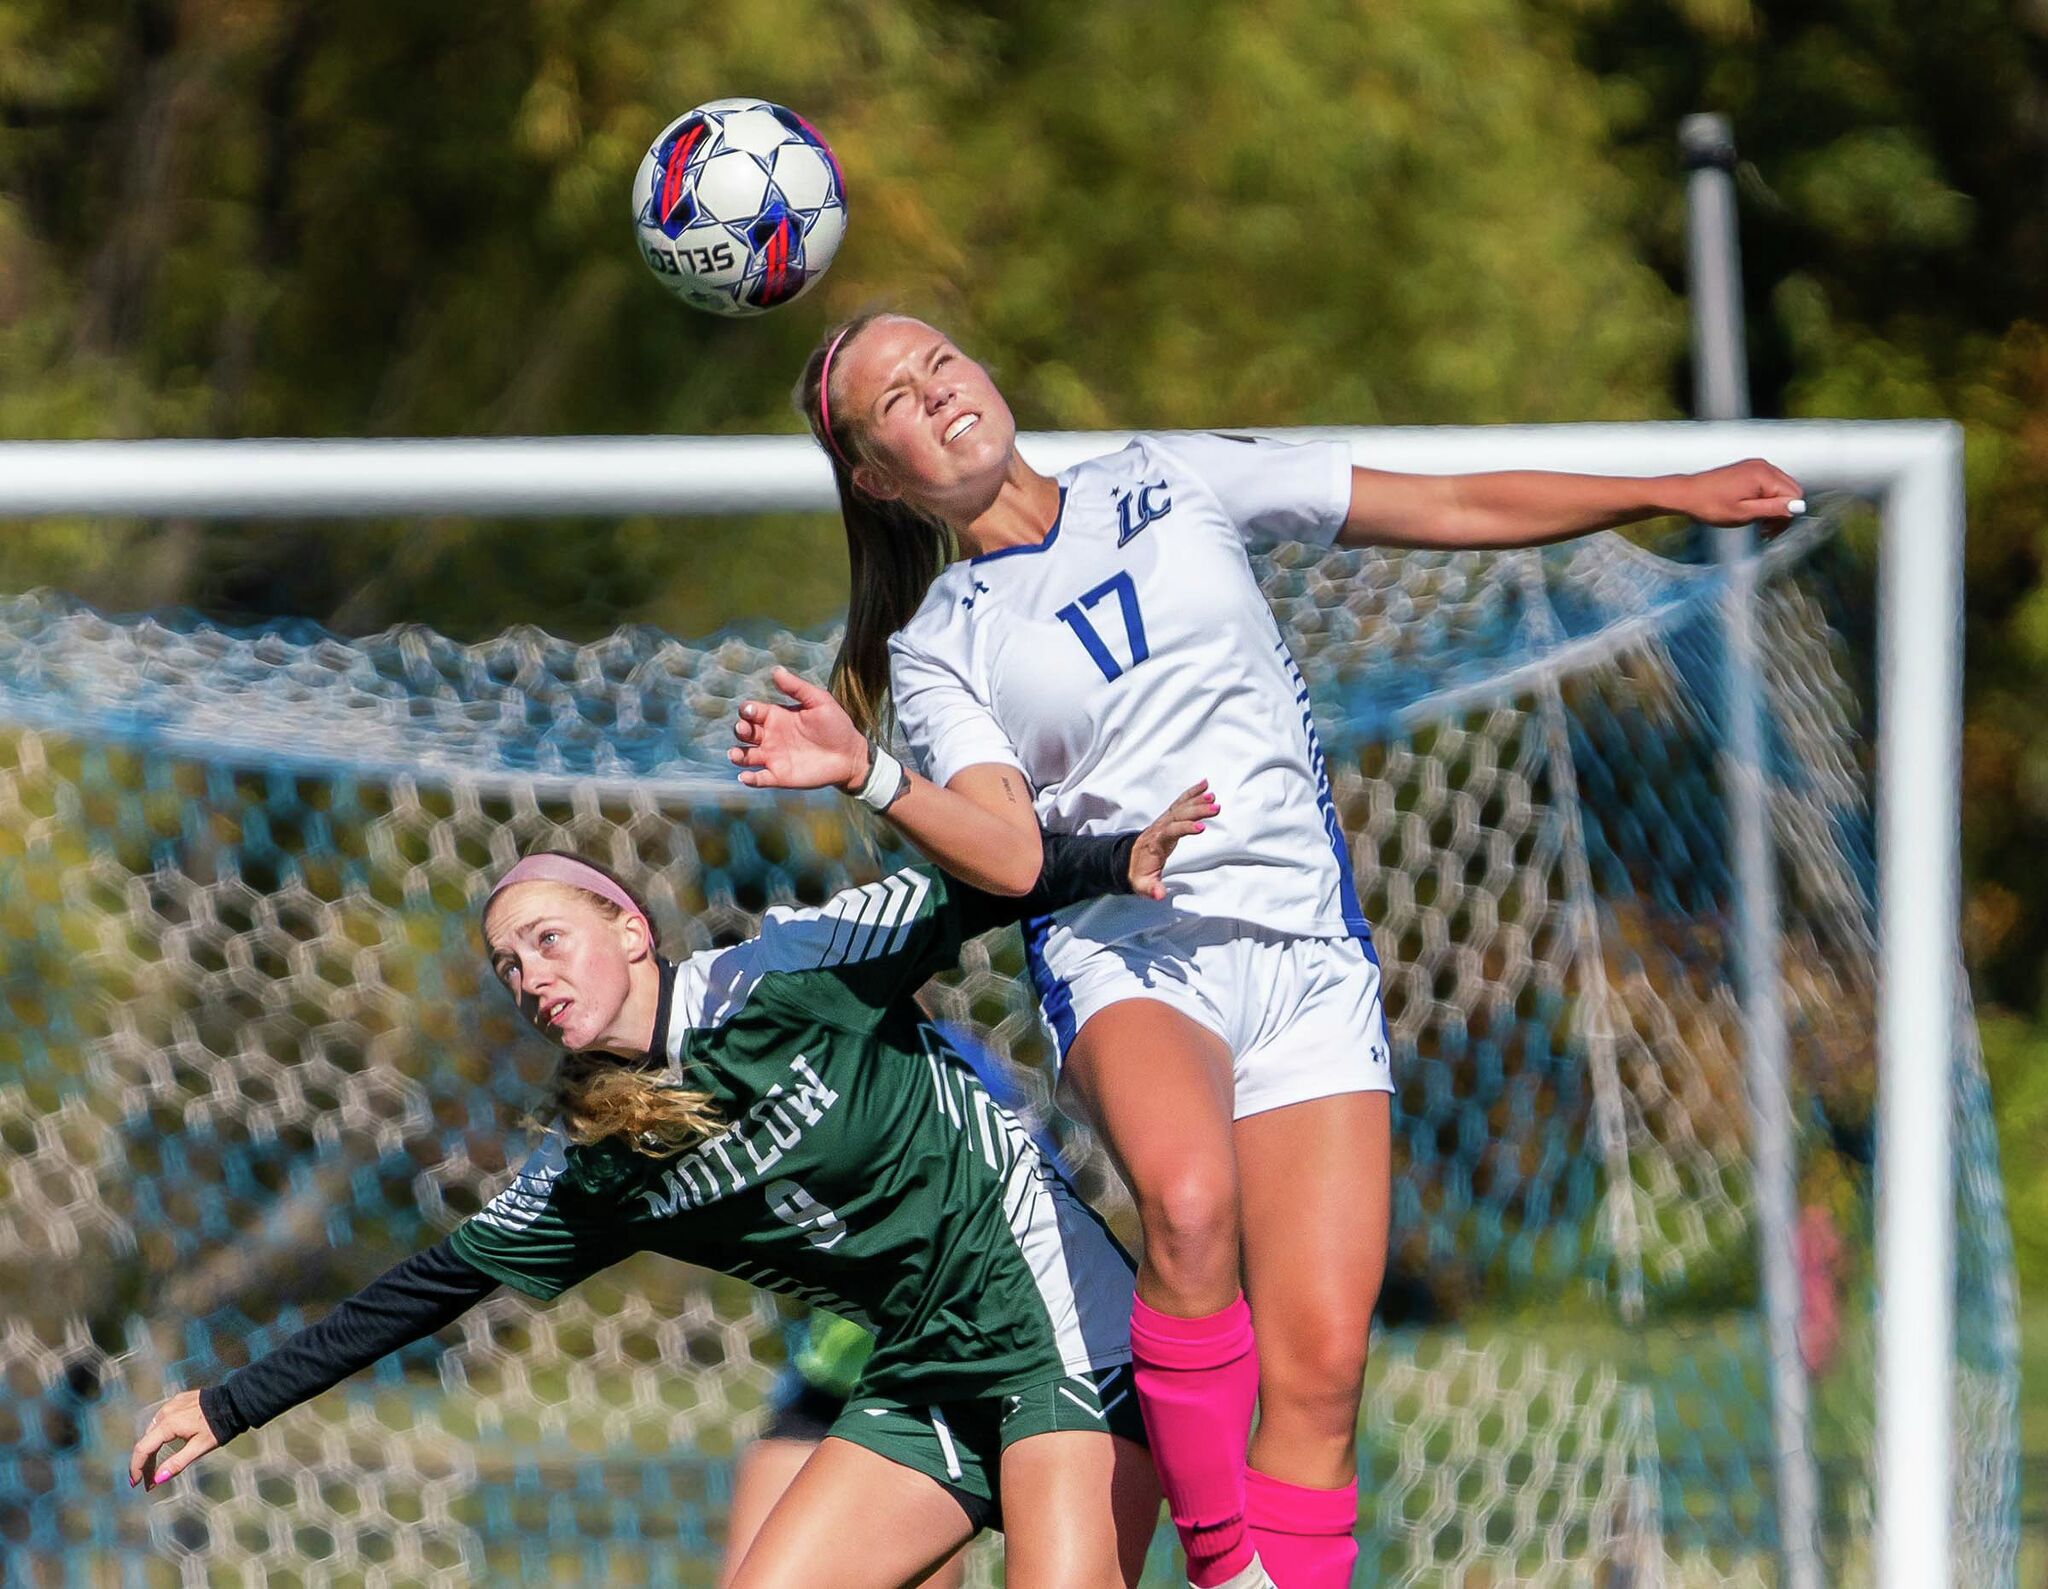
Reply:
x=1895, y=246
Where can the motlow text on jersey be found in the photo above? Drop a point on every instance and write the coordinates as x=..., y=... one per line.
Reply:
x=747, y=1149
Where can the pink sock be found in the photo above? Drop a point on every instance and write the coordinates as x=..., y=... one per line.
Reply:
x=1306, y=1539
x=1197, y=1380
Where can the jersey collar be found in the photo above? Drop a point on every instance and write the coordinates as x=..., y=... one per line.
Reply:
x=1051, y=535
x=663, y=1013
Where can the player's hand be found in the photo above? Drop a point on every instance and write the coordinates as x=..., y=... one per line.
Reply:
x=1148, y=856
x=1750, y=492
x=177, y=1419
x=807, y=743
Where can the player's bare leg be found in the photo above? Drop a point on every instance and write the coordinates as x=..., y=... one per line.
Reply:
x=1158, y=1086
x=764, y=1471
x=856, y=1520
x=1316, y=1185
x=1079, y=1509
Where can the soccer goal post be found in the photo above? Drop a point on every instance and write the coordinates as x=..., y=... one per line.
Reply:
x=1909, y=471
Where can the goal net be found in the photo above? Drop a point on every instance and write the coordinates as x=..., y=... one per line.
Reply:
x=249, y=1057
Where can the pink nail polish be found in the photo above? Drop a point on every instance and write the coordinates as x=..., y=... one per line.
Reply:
x=160, y=1476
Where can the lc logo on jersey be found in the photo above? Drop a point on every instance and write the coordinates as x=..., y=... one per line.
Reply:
x=1137, y=509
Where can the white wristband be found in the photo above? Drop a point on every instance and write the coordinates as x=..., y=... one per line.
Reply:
x=885, y=780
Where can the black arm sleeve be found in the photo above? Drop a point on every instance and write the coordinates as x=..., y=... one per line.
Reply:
x=408, y=1301
x=1080, y=867
x=1077, y=867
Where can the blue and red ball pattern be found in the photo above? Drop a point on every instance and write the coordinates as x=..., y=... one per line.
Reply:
x=739, y=206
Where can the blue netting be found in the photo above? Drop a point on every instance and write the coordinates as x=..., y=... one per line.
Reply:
x=247, y=1058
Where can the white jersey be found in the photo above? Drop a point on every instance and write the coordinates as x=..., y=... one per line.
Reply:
x=1132, y=653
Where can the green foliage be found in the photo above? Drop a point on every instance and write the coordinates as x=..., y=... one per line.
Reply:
x=275, y=218
x=2016, y=1060
x=1895, y=237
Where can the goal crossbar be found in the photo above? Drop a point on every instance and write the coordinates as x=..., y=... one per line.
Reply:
x=1911, y=469
x=717, y=475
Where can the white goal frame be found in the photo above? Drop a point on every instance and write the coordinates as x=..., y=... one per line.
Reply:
x=1911, y=469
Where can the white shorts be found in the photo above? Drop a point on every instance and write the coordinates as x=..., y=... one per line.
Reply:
x=1302, y=1016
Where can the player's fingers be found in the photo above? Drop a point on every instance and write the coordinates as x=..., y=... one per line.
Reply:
x=181, y=1459
x=798, y=688
x=154, y=1465
x=762, y=716
x=758, y=779
x=1771, y=507
x=162, y=1428
x=1761, y=480
x=143, y=1448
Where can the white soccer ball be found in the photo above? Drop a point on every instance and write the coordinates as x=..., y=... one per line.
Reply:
x=739, y=206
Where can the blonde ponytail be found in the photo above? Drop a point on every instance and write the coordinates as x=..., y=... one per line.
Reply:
x=597, y=1099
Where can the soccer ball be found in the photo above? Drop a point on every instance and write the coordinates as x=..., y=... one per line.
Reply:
x=739, y=206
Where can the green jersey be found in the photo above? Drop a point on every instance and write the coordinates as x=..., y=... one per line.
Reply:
x=864, y=1168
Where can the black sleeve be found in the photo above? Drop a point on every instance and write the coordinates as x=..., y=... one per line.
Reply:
x=410, y=1300
x=1077, y=868
x=1080, y=867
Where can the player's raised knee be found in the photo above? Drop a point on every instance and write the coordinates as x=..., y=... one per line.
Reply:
x=1314, y=1359
x=1190, y=1222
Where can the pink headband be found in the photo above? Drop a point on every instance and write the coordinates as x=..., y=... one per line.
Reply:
x=577, y=874
x=825, y=397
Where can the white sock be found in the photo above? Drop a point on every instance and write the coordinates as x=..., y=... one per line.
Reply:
x=1253, y=1577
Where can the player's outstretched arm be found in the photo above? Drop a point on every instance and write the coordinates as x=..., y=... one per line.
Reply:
x=410, y=1300
x=981, y=827
x=1529, y=507
x=1078, y=867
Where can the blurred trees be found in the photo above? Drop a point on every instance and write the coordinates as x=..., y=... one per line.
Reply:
x=272, y=217
x=1895, y=237
x=247, y=217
